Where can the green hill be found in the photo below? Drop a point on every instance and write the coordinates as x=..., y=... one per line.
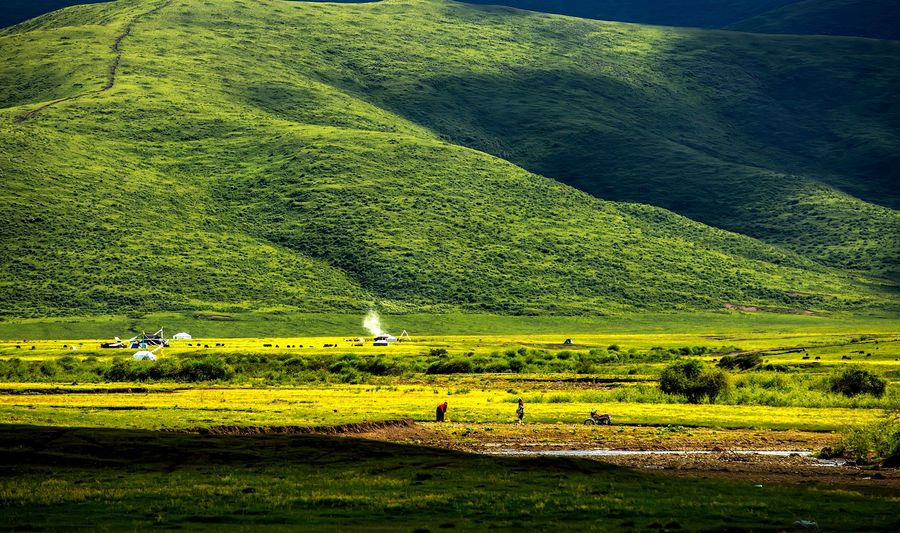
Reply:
x=792, y=140
x=879, y=19
x=689, y=13
x=233, y=155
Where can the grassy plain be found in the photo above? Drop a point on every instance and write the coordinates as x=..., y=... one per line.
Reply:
x=170, y=453
x=210, y=324
x=314, y=380
x=196, y=407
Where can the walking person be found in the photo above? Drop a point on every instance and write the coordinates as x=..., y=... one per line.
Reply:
x=520, y=412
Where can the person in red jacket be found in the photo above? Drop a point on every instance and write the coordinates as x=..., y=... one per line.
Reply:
x=441, y=411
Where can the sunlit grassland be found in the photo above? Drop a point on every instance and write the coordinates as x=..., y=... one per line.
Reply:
x=209, y=324
x=163, y=407
x=829, y=338
x=829, y=346
x=300, y=381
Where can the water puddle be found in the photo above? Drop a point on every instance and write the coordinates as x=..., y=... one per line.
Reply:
x=620, y=453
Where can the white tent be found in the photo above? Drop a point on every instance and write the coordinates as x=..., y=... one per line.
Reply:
x=145, y=355
x=182, y=335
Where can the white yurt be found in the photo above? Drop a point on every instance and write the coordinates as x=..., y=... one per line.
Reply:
x=144, y=355
x=182, y=336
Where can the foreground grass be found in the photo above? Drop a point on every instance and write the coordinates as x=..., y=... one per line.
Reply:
x=126, y=479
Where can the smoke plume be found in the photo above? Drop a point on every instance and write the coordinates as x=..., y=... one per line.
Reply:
x=372, y=323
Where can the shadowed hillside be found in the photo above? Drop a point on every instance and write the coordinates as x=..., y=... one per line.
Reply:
x=879, y=19
x=271, y=155
x=788, y=139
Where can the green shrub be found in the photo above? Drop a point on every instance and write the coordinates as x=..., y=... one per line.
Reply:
x=68, y=363
x=295, y=363
x=693, y=380
x=205, y=369
x=516, y=365
x=496, y=367
x=877, y=442
x=49, y=368
x=352, y=376
x=740, y=362
x=452, y=366
x=853, y=381
x=377, y=366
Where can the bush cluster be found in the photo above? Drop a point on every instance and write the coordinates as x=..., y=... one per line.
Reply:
x=876, y=443
x=208, y=368
x=740, y=362
x=854, y=380
x=694, y=381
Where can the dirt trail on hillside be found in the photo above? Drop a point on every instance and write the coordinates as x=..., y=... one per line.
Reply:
x=113, y=67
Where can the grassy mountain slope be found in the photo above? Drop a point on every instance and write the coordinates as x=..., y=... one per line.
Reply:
x=690, y=13
x=879, y=19
x=791, y=140
x=234, y=165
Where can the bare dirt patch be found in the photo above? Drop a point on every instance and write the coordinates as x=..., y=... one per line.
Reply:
x=725, y=458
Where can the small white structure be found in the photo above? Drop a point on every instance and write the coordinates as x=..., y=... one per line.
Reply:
x=145, y=355
x=182, y=336
x=386, y=337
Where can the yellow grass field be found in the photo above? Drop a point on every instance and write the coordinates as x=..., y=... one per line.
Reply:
x=173, y=407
